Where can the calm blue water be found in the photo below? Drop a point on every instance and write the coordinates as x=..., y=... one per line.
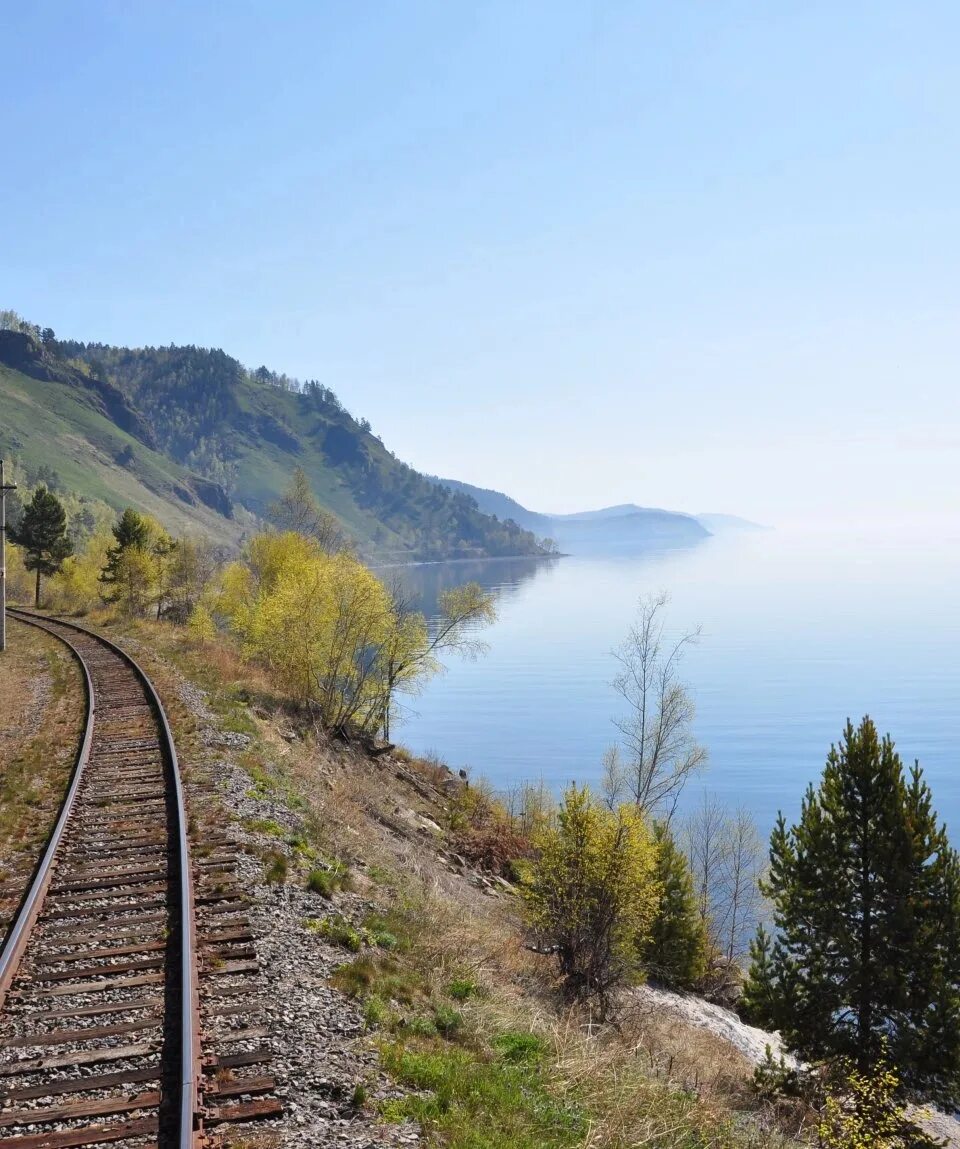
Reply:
x=799, y=631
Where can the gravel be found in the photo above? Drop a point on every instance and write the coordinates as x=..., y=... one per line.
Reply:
x=322, y=1052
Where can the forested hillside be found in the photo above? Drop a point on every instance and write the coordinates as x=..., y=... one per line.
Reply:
x=226, y=438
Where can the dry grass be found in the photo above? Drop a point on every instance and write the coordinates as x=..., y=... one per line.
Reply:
x=645, y=1080
x=41, y=721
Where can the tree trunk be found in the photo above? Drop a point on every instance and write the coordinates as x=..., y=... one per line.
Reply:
x=36, y=597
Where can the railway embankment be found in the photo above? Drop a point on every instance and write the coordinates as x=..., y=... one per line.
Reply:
x=404, y=1002
x=41, y=713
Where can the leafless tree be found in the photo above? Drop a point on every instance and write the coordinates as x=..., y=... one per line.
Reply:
x=413, y=650
x=727, y=860
x=743, y=865
x=704, y=842
x=298, y=510
x=658, y=752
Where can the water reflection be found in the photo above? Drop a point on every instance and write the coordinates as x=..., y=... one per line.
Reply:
x=502, y=577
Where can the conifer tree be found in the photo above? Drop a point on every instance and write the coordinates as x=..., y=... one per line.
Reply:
x=128, y=573
x=675, y=951
x=42, y=533
x=866, y=894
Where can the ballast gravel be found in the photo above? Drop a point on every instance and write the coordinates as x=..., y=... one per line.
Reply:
x=321, y=1050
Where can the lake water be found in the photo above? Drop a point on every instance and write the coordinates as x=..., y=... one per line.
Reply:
x=800, y=630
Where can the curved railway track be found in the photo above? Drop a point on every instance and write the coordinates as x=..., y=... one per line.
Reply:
x=100, y=1005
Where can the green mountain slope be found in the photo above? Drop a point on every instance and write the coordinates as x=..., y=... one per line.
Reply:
x=196, y=419
x=57, y=421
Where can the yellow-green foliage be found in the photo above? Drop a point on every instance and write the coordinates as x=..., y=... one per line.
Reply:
x=310, y=617
x=77, y=587
x=19, y=579
x=331, y=633
x=592, y=892
x=201, y=624
x=862, y=1112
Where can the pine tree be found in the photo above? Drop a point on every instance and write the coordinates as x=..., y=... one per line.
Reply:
x=42, y=532
x=130, y=531
x=758, y=1002
x=866, y=894
x=129, y=577
x=675, y=951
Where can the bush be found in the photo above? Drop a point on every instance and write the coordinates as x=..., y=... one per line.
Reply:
x=483, y=834
x=861, y=1111
x=592, y=896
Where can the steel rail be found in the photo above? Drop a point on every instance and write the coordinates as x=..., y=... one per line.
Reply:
x=189, y=1076
x=19, y=933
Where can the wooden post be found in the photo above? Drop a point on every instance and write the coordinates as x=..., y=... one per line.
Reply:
x=4, y=487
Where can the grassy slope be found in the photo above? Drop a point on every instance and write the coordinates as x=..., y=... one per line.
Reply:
x=264, y=467
x=458, y=1009
x=41, y=722
x=49, y=423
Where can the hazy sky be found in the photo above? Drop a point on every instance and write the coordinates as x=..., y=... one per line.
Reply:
x=695, y=255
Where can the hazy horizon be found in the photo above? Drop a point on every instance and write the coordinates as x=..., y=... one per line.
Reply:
x=695, y=258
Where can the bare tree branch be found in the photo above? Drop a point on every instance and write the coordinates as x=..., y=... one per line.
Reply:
x=658, y=752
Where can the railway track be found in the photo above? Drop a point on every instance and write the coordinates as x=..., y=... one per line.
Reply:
x=125, y=950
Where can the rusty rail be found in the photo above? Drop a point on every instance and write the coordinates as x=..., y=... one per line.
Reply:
x=188, y=1136
x=19, y=933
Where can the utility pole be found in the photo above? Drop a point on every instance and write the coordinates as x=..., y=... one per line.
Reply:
x=4, y=487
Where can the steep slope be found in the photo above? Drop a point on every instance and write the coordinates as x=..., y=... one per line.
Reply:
x=192, y=426
x=501, y=505
x=85, y=432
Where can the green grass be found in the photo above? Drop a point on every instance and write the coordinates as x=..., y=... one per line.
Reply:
x=264, y=826
x=463, y=988
x=63, y=427
x=327, y=881
x=338, y=930
x=381, y=976
x=389, y=930
x=275, y=867
x=471, y=1100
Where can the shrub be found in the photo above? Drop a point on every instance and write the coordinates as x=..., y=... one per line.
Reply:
x=484, y=835
x=447, y=1020
x=861, y=1111
x=593, y=896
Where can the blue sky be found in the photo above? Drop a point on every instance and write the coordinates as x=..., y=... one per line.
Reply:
x=702, y=256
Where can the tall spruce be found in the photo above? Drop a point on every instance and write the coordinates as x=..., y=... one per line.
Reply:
x=42, y=532
x=131, y=530
x=675, y=952
x=866, y=895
